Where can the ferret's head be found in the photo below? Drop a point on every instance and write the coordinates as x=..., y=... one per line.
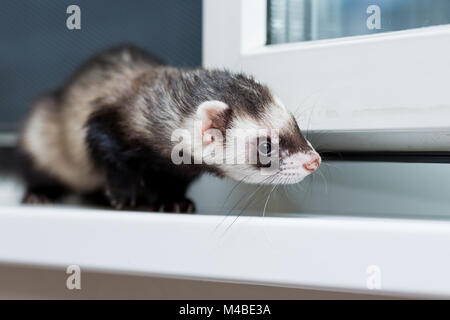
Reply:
x=246, y=133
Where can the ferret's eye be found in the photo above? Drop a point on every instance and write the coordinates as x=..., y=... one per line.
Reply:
x=265, y=148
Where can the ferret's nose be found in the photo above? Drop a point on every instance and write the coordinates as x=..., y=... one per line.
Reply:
x=313, y=163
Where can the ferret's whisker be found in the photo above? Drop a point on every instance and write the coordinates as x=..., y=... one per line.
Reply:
x=252, y=197
x=327, y=164
x=235, y=186
x=267, y=201
x=309, y=121
x=250, y=200
x=262, y=184
x=299, y=185
x=302, y=103
x=324, y=179
x=240, y=200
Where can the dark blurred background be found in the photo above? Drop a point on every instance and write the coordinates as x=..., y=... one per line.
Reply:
x=38, y=51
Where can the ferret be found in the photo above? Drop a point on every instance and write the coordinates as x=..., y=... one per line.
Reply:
x=108, y=130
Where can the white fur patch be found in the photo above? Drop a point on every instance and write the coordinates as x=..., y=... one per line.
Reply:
x=276, y=120
x=60, y=151
x=289, y=169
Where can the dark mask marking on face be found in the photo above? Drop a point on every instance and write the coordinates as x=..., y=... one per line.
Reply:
x=292, y=140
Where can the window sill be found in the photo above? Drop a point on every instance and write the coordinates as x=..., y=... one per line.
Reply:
x=314, y=252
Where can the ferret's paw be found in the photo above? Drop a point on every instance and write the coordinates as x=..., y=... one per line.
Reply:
x=176, y=206
x=119, y=198
x=36, y=198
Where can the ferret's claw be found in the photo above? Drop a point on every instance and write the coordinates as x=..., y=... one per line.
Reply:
x=121, y=198
x=33, y=198
x=177, y=206
x=133, y=202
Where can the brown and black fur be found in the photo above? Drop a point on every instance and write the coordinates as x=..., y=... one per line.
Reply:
x=108, y=129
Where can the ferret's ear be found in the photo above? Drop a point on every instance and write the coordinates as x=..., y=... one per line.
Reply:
x=211, y=114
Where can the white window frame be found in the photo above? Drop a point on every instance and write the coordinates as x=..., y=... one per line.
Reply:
x=387, y=91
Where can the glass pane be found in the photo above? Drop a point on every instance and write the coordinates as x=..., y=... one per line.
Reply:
x=305, y=20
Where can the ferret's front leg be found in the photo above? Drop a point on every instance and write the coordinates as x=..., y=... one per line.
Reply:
x=166, y=193
x=135, y=176
x=109, y=152
x=122, y=189
x=160, y=193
